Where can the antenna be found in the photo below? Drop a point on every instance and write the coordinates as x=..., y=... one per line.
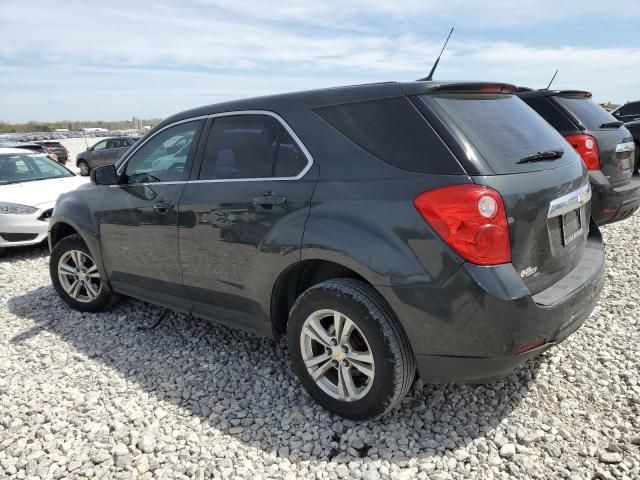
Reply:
x=429, y=77
x=552, y=79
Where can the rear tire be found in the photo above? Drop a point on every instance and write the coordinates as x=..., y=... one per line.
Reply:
x=76, y=277
x=84, y=168
x=348, y=350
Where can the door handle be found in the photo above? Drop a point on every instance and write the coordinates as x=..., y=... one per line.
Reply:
x=269, y=199
x=163, y=207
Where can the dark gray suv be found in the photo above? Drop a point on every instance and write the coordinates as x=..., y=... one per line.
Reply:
x=607, y=148
x=384, y=229
x=104, y=152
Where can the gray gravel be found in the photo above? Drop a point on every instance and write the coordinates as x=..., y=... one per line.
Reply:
x=85, y=396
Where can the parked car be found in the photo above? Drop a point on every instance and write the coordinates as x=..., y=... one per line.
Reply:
x=57, y=149
x=429, y=225
x=627, y=112
x=30, y=183
x=634, y=128
x=604, y=144
x=31, y=147
x=105, y=152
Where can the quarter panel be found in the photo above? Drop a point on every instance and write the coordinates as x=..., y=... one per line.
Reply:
x=372, y=227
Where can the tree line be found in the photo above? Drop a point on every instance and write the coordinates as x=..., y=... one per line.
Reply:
x=28, y=127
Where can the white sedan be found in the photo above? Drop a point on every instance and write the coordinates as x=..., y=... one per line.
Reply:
x=30, y=184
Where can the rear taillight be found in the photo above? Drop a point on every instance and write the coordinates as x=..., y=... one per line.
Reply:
x=587, y=147
x=471, y=219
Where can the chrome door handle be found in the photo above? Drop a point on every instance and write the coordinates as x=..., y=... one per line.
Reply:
x=163, y=207
x=270, y=199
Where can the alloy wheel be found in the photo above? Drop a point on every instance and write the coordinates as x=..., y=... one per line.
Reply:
x=79, y=276
x=337, y=355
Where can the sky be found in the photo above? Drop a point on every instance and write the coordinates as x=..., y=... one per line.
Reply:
x=112, y=60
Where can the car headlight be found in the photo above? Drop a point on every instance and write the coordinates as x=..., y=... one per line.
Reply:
x=16, y=209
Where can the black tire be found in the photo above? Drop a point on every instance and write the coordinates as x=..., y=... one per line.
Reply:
x=230, y=236
x=394, y=362
x=106, y=297
x=85, y=170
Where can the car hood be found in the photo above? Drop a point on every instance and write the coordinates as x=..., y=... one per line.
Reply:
x=39, y=192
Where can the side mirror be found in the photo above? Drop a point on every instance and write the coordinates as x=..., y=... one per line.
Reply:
x=89, y=149
x=105, y=175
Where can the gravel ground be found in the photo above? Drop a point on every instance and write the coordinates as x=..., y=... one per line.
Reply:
x=91, y=395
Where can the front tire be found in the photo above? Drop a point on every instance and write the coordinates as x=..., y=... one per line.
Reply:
x=84, y=168
x=76, y=277
x=348, y=349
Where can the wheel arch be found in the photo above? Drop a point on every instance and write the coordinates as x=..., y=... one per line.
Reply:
x=300, y=276
x=62, y=227
x=59, y=230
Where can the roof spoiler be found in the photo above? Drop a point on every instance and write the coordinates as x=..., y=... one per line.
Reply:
x=473, y=87
x=574, y=93
x=562, y=93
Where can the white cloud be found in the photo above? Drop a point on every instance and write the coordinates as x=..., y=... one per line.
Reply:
x=125, y=53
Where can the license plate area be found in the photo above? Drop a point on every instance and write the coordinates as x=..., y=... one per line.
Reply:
x=571, y=226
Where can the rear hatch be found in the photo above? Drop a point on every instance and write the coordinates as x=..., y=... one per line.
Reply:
x=541, y=178
x=614, y=141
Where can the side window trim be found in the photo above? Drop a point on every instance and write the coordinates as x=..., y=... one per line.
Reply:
x=275, y=154
x=197, y=162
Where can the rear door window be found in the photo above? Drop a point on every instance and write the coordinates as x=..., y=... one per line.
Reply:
x=250, y=146
x=502, y=128
x=589, y=113
x=290, y=160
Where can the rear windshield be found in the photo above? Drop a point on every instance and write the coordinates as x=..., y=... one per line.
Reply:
x=588, y=112
x=503, y=129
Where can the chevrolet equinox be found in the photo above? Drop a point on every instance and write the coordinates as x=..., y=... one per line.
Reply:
x=437, y=227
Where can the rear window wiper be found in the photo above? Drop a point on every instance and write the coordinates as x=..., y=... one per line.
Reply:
x=542, y=156
x=616, y=124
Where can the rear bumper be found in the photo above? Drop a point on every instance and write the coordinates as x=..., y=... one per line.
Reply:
x=446, y=369
x=610, y=204
x=480, y=324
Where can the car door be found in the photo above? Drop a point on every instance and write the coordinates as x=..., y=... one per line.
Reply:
x=139, y=218
x=243, y=216
x=111, y=153
x=98, y=153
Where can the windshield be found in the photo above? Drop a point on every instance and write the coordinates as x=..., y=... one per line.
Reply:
x=505, y=131
x=588, y=112
x=23, y=167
